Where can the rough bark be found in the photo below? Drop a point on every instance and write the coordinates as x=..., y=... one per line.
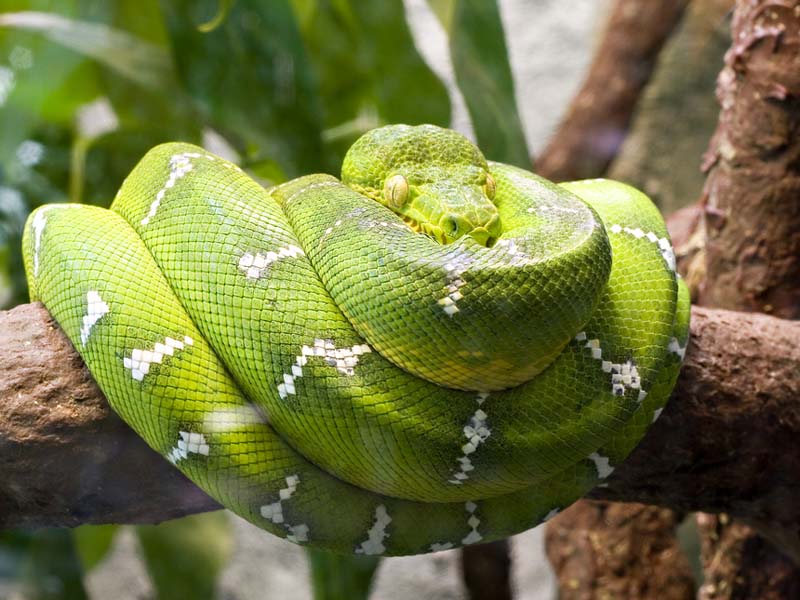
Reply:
x=752, y=213
x=725, y=442
x=616, y=550
x=740, y=565
x=597, y=120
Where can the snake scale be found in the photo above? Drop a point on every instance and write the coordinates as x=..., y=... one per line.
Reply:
x=433, y=351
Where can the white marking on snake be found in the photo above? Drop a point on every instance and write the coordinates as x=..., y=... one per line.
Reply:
x=328, y=232
x=189, y=443
x=657, y=413
x=676, y=348
x=274, y=512
x=254, y=265
x=140, y=360
x=473, y=537
x=376, y=534
x=623, y=375
x=437, y=547
x=225, y=420
x=344, y=359
x=602, y=464
x=179, y=166
x=554, y=208
x=476, y=433
x=454, y=284
x=313, y=186
x=664, y=245
x=509, y=245
x=95, y=310
x=37, y=225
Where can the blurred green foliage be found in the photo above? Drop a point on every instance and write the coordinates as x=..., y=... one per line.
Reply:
x=282, y=87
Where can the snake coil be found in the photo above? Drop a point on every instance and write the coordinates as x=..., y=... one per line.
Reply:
x=450, y=364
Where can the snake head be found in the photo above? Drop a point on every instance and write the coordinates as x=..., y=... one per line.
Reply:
x=435, y=179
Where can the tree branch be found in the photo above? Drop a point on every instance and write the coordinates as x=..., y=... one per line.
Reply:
x=65, y=457
x=597, y=120
x=725, y=442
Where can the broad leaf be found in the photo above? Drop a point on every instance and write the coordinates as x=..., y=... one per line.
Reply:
x=93, y=543
x=132, y=57
x=483, y=73
x=41, y=565
x=369, y=69
x=340, y=577
x=184, y=556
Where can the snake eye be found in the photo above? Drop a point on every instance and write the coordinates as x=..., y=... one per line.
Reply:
x=490, y=187
x=396, y=191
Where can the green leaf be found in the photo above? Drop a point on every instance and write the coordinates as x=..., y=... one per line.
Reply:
x=93, y=543
x=250, y=80
x=483, y=73
x=370, y=72
x=138, y=60
x=341, y=577
x=184, y=557
x=223, y=10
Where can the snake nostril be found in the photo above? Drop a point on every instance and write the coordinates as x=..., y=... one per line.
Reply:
x=451, y=225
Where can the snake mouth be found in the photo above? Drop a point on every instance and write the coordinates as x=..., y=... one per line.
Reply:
x=479, y=234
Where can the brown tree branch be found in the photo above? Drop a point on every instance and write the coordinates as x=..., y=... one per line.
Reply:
x=725, y=442
x=65, y=457
x=597, y=120
x=487, y=571
x=617, y=550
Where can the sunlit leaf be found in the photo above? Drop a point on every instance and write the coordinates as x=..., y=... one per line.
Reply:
x=134, y=58
x=184, y=557
x=93, y=543
x=340, y=577
x=483, y=73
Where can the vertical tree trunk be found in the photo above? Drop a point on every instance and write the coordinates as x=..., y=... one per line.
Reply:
x=752, y=194
x=751, y=222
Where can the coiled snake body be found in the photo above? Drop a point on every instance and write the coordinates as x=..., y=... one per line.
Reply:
x=434, y=351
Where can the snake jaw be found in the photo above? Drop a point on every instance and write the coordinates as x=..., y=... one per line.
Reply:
x=483, y=235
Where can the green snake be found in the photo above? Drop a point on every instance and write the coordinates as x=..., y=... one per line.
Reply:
x=433, y=351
